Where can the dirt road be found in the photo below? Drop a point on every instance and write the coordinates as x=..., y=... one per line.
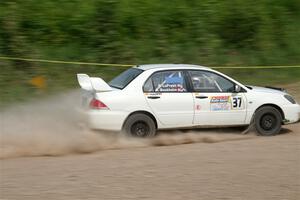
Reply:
x=258, y=168
x=215, y=165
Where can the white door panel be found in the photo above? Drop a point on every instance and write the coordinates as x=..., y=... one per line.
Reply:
x=219, y=108
x=216, y=102
x=174, y=109
x=167, y=96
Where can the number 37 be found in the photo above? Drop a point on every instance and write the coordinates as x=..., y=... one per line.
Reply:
x=236, y=102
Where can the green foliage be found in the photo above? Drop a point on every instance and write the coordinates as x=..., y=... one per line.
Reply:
x=209, y=32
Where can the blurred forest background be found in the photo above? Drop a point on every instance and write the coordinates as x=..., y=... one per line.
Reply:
x=206, y=32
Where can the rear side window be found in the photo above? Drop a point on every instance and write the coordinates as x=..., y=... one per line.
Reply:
x=122, y=80
x=148, y=86
x=166, y=81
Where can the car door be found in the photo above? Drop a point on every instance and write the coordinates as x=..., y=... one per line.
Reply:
x=216, y=102
x=168, y=97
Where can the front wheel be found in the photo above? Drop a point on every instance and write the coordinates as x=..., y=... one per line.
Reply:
x=267, y=121
x=139, y=125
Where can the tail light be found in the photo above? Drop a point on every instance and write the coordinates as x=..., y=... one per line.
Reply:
x=97, y=104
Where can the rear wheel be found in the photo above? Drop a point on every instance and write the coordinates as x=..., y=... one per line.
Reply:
x=267, y=121
x=139, y=125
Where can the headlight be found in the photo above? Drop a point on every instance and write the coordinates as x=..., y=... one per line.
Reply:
x=290, y=98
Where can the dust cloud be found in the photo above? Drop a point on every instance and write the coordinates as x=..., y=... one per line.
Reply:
x=56, y=126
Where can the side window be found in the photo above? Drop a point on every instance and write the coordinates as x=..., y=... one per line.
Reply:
x=166, y=81
x=148, y=86
x=203, y=81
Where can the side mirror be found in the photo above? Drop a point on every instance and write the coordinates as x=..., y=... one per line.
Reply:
x=237, y=88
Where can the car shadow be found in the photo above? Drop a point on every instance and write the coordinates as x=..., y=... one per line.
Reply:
x=226, y=130
x=229, y=130
x=284, y=131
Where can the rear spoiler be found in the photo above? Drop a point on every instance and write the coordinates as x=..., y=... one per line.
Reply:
x=93, y=84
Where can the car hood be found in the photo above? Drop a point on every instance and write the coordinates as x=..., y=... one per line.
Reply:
x=267, y=90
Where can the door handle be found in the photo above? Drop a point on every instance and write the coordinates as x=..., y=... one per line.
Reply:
x=153, y=97
x=201, y=97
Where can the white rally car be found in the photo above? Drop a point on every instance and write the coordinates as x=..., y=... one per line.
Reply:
x=146, y=98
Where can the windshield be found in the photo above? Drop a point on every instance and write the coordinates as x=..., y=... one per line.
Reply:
x=125, y=78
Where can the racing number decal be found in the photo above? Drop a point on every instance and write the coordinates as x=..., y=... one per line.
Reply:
x=237, y=103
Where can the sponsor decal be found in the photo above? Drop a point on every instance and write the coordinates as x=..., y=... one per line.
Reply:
x=152, y=93
x=219, y=99
x=172, y=88
x=173, y=84
x=219, y=103
x=155, y=93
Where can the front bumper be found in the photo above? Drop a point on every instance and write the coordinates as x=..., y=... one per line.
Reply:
x=291, y=113
x=106, y=119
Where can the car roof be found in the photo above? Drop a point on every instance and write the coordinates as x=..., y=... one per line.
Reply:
x=169, y=66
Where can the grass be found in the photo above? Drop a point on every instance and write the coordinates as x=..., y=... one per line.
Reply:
x=15, y=81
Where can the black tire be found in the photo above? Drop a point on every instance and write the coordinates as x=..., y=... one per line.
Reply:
x=267, y=121
x=139, y=125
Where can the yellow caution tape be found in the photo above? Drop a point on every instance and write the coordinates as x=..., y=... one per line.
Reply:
x=257, y=67
x=130, y=65
x=63, y=62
